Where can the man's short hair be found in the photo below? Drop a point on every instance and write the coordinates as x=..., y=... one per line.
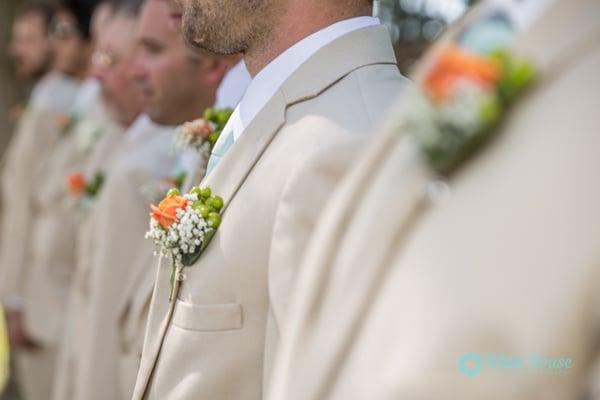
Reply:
x=128, y=7
x=82, y=10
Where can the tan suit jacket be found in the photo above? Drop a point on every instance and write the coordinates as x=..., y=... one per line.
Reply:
x=395, y=287
x=36, y=135
x=211, y=341
x=112, y=237
x=105, y=154
x=35, y=141
x=54, y=231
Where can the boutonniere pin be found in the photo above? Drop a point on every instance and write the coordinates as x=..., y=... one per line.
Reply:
x=463, y=97
x=182, y=227
x=202, y=134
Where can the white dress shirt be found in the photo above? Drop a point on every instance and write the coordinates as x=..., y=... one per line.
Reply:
x=266, y=83
x=234, y=85
x=55, y=92
x=87, y=97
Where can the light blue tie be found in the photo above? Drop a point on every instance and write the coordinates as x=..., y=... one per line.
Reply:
x=219, y=151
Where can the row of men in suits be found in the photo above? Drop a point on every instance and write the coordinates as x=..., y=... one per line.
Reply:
x=376, y=241
x=374, y=244
x=92, y=150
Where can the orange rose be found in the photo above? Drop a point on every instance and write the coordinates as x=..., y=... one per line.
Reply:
x=76, y=184
x=454, y=64
x=166, y=212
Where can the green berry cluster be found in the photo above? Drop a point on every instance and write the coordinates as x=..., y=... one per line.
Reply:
x=219, y=118
x=208, y=206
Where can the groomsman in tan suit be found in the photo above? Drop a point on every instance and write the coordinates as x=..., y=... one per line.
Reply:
x=111, y=65
x=484, y=286
x=219, y=80
x=323, y=74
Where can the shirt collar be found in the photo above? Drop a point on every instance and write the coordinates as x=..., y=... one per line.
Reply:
x=233, y=86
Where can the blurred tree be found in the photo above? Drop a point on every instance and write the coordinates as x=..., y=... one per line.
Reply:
x=414, y=24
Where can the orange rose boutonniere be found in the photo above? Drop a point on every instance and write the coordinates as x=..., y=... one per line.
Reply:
x=182, y=227
x=166, y=212
x=76, y=184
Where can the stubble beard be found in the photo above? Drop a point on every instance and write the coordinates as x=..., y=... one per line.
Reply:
x=228, y=27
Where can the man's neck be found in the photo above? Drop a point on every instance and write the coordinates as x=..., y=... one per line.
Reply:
x=295, y=24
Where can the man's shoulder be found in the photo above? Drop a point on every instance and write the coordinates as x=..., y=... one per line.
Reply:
x=355, y=104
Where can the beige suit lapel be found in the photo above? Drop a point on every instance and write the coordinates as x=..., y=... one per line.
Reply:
x=334, y=61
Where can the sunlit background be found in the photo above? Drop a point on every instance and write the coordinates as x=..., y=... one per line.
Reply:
x=414, y=24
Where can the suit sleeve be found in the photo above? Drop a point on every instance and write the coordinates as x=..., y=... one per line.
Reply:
x=305, y=194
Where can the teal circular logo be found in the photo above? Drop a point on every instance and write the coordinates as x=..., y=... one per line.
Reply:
x=470, y=364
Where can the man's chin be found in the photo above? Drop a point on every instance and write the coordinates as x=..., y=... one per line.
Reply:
x=158, y=117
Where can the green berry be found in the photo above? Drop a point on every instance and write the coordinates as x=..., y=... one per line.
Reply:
x=214, y=220
x=213, y=137
x=173, y=192
x=205, y=192
x=210, y=114
x=204, y=211
x=195, y=190
x=489, y=111
x=216, y=203
x=224, y=116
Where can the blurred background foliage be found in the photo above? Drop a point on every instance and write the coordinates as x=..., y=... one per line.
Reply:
x=414, y=24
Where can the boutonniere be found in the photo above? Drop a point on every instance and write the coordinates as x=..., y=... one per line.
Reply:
x=84, y=191
x=463, y=97
x=202, y=134
x=65, y=123
x=182, y=227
